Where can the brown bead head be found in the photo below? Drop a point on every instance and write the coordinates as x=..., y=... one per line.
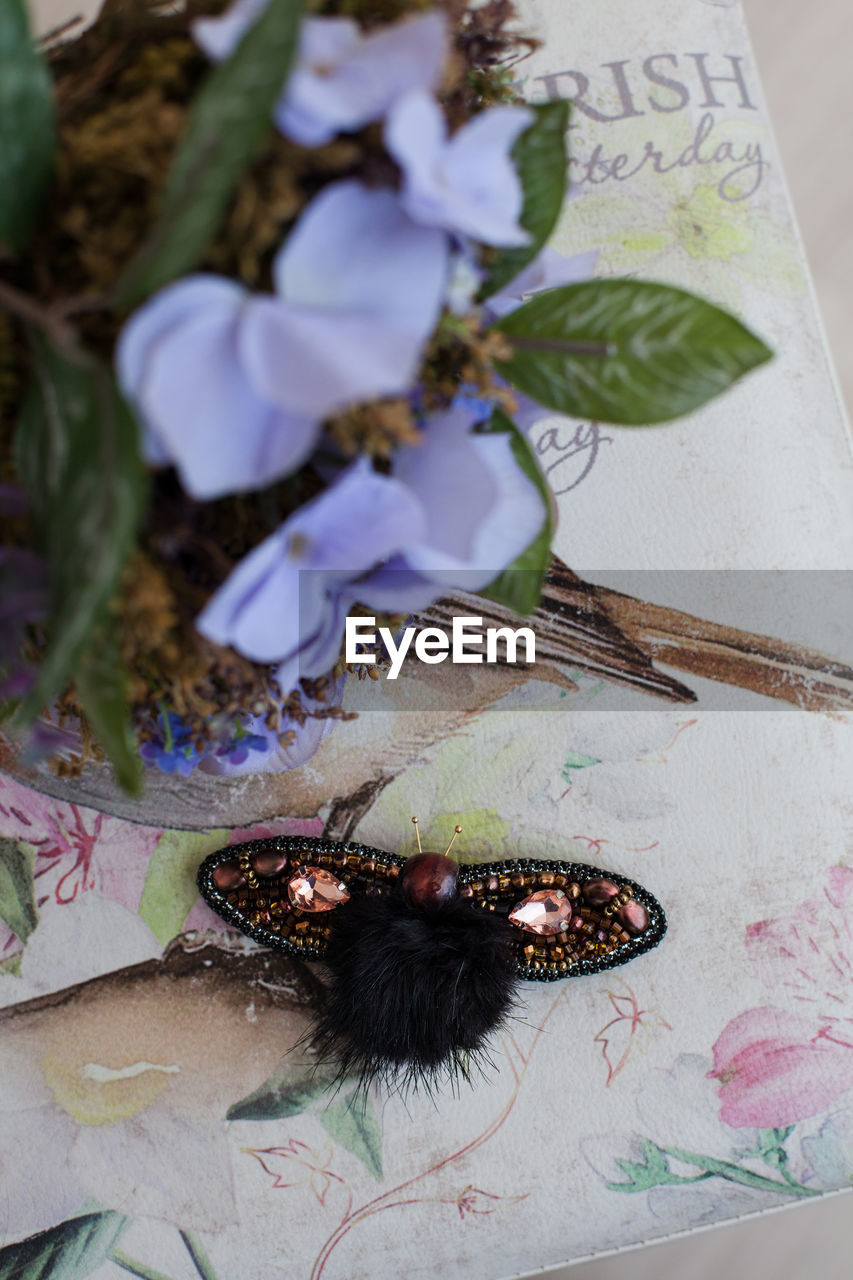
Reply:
x=429, y=879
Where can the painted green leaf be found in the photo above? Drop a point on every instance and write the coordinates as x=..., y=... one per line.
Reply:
x=17, y=894
x=79, y=461
x=102, y=688
x=541, y=159
x=625, y=351
x=576, y=760
x=27, y=139
x=289, y=1091
x=351, y=1122
x=519, y=587
x=710, y=1166
x=641, y=1175
x=170, y=885
x=70, y=1251
x=228, y=127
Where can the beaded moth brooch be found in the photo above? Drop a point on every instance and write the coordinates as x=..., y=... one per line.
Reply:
x=424, y=954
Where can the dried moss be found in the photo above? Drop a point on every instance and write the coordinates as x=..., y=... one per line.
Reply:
x=376, y=429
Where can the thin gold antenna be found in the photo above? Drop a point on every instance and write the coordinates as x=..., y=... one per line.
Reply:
x=456, y=831
x=418, y=834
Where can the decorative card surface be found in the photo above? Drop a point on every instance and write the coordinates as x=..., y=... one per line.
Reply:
x=151, y=1115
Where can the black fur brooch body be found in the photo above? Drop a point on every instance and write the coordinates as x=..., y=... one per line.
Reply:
x=424, y=955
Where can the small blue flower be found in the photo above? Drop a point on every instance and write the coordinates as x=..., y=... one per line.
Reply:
x=261, y=749
x=471, y=401
x=242, y=742
x=173, y=749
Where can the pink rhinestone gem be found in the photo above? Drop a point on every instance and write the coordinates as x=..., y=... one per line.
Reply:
x=547, y=911
x=313, y=889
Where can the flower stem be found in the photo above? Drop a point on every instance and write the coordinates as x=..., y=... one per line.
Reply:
x=201, y=1262
x=135, y=1268
x=736, y=1173
x=23, y=307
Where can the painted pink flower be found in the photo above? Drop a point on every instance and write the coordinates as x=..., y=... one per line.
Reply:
x=76, y=849
x=473, y=1200
x=295, y=1164
x=808, y=954
x=776, y=1068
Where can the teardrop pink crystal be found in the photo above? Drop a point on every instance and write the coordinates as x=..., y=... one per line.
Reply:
x=634, y=916
x=313, y=889
x=547, y=911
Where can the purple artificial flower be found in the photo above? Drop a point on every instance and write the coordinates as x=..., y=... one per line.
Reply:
x=231, y=387
x=466, y=183
x=342, y=79
x=464, y=280
x=481, y=512
x=285, y=603
x=455, y=511
x=362, y=288
x=180, y=360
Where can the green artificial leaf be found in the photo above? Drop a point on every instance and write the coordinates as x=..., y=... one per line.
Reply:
x=70, y=1251
x=352, y=1123
x=519, y=587
x=17, y=893
x=101, y=684
x=78, y=460
x=170, y=889
x=289, y=1091
x=28, y=139
x=625, y=351
x=229, y=124
x=542, y=161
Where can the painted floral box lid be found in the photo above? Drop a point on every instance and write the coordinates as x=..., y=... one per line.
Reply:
x=152, y=1121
